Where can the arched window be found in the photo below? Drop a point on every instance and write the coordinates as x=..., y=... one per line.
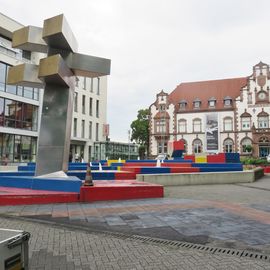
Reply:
x=246, y=143
x=197, y=146
x=228, y=124
x=197, y=125
x=182, y=126
x=228, y=145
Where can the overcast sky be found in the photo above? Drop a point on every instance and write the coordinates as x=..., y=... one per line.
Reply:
x=156, y=45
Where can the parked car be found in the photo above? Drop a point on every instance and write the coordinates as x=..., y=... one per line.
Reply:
x=268, y=158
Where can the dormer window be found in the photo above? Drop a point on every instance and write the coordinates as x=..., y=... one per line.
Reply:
x=227, y=101
x=212, y=102
x=197, y=103
x=182, y=104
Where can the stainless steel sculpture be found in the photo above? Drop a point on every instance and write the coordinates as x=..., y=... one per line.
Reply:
x=56, y=73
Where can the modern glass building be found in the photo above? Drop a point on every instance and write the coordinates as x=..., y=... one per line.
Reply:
x=19, y=106
x=115, y=150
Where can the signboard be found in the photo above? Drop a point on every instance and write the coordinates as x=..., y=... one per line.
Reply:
x=106, y=130
x=212, y=132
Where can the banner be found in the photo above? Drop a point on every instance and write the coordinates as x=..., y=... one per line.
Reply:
x=212, y=132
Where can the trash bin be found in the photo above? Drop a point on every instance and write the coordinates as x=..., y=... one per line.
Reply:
x=13, y=249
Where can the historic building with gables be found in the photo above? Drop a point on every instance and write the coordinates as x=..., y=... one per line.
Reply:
x=228, y=115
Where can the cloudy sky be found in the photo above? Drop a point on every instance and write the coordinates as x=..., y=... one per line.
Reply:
x=157, y=45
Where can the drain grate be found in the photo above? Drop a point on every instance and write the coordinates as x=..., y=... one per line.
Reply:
x=208, y=249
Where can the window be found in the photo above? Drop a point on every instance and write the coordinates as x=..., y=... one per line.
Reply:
x=196, y=103
x=28, y=92
x=75, y=102
x=2, y=76
x=212, y=102
x=91, y=106
x=182, y=126
x=83, y=104
x=75, y=127
x=263, y=122
x=36, y=93
x=161, y=126
x=98, y=86
x=182, y=105
x=97, y=132
x=197, y=146
x=162, y=108
x=83, y=128
x=2, y=111
x=97, y=108
x=20, y=91
x=246, y=123
x=16, y=148
x=27, y=116
x=228, y=124
x=90, y=130
x=92, y=86
x=228, y=145
x=10, y=112
x=246, y=143
x=197, y=125
x=227, y=101
x=84, y=83
x=162, y=147
x=249, y=98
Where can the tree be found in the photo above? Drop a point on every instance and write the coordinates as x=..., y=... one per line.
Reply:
x=140, y=129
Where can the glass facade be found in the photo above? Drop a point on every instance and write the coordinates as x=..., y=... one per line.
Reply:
x=17, y=148
x=27, y=92
x=16, y=114
x=115, y=150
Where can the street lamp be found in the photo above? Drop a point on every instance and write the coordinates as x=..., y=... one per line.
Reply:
x=129, y=144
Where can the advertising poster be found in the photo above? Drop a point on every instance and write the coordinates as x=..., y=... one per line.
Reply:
x=212, y=132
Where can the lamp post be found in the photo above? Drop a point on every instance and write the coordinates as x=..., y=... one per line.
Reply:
x=129, y=144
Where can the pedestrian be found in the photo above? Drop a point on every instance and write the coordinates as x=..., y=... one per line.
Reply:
x=77, y=157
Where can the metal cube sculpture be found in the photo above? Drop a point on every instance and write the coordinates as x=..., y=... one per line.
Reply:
x=56, y=73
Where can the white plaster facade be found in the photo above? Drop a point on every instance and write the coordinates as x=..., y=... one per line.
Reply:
x=89, y=91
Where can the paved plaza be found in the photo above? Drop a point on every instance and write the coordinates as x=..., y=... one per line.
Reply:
x=227, y=226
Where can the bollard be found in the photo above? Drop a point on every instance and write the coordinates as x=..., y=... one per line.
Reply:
x=88, y=177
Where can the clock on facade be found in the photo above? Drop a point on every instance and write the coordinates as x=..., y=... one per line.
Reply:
x=261, y=95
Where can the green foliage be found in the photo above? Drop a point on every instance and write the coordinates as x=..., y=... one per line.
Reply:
x=142, y=151
x=140, y=128
x=249, y=148
x=254, y=161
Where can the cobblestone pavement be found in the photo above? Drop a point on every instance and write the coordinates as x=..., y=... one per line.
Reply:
x=224, y=216
x=222, y=224
x=52, y=248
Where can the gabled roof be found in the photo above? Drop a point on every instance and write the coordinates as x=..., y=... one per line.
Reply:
x=204, y=90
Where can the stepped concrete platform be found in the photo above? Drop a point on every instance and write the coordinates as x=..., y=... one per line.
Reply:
x=120, y=190
x=183, y=179
x=19, y=196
